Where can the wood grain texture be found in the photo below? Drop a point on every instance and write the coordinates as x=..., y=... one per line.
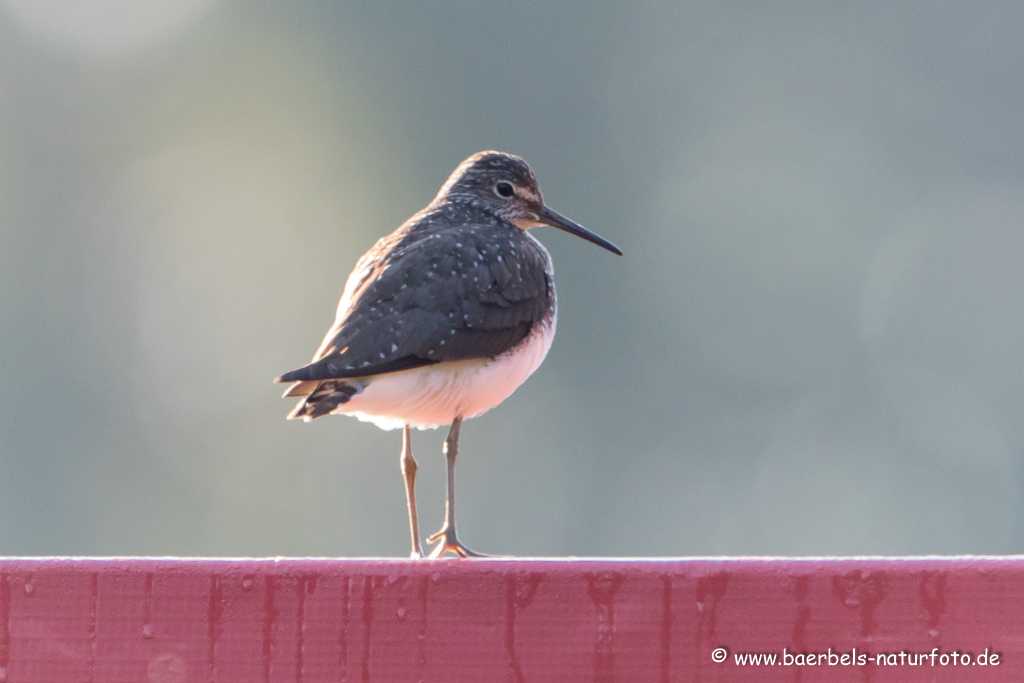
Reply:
x=176, y=620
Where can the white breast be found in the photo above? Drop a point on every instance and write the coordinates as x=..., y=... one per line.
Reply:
x=435, y=395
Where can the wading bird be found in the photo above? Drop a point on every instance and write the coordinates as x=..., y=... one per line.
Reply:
x=443, y=319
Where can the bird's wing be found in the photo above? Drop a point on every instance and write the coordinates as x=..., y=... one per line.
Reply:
x=432, y=296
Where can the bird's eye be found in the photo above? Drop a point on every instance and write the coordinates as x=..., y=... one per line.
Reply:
x=504, y=189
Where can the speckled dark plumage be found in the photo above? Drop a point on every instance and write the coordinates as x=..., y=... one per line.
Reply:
x=456, y=281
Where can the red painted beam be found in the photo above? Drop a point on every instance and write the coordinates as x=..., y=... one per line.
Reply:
x=170, y=621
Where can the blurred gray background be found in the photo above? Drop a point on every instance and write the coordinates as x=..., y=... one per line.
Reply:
x=812, y=346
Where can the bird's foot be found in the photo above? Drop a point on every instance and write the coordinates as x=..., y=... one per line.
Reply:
x=448, y=542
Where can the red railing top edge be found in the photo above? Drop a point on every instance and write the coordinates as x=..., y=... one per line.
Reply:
x=503, y=564
x=501, y=559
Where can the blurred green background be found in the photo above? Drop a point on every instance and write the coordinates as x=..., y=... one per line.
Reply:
x=812, y=346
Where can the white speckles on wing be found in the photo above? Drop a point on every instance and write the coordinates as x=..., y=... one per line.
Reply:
x=410, y=301
x=434, y=395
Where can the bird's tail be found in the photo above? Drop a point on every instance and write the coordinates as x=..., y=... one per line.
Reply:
x=320, y=399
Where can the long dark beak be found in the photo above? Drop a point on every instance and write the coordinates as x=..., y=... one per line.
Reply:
x=557, y=220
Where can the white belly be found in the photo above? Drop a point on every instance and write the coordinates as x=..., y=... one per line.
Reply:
x=435, y=395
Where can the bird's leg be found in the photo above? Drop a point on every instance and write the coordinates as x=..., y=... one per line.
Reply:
x=409, y=474
x=446, y=539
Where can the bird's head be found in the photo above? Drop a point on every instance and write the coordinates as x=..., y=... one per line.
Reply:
x=503, y=185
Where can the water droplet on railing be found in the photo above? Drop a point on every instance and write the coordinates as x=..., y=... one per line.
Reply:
x=401, y=614
x=148, y=632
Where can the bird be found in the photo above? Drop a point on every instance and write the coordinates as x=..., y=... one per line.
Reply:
x=443, y=319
